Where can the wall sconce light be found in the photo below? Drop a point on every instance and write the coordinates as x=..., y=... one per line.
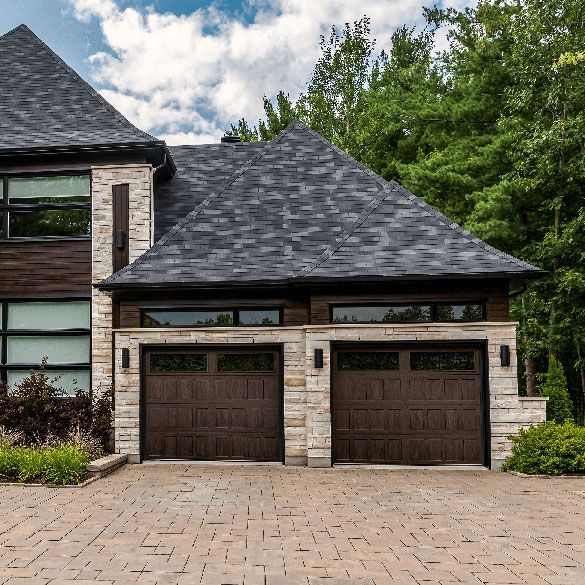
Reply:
x=504, y=355
x=125, y=357
x=318, y=358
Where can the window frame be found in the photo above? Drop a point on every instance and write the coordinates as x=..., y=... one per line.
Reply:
x=221, y=309
x=6, y=333
x=6, y=207
x=433, y=304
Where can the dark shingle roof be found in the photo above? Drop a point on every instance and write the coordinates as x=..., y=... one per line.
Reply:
x=302, y=209
x=44, y=104
x=201, y=170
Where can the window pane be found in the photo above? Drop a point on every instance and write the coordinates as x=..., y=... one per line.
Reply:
x=58, y=350
x=381, y=314
x=68, y=380
x=260, y=317
x=186, y=318
x=178, y=362
x=472, y=312
x=49, y=316
x=442, y=360
x=66, y=189
x=49, y=222
x=367, y=360
x=245, y=362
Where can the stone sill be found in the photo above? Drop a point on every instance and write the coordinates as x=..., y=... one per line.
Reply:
x=268, y=329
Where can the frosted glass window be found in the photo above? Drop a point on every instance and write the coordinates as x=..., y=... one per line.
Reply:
x=58, y=350
x=49, y=316
x=68, y=380
x=62, y=189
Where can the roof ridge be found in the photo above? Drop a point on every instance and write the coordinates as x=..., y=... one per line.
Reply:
x=456, y=227
x=193, y=213
x=342, y=238
x=380, y=180
x=84, y=84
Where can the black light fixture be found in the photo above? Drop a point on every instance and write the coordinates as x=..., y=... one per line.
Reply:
x=318, y=358
x=125, y=357
x=504, y=355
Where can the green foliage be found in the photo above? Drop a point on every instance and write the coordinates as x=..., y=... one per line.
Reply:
x=41, y=412
x=549, y=448
x=558, y=407
x=64, y=464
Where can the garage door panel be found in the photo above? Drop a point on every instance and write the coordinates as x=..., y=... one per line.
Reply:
x=208, y=415
x=436, y=419
x=413, y=415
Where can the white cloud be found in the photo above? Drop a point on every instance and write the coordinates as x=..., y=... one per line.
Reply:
x=187, y=77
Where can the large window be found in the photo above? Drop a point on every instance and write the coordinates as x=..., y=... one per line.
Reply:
x=211, y=317
x=58, y=331
x=400, y=313
x=45, y=206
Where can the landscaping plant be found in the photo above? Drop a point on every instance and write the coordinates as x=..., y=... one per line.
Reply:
x=559, y=405
x=548, y=448
x=62, y=465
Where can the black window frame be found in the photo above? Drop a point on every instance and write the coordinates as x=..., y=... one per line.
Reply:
x=433, y=305
x=5, y=333
x=234, y=310
x=6, y=207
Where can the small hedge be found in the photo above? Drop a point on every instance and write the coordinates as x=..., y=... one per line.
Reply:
x=60, y=465
x=548, y=448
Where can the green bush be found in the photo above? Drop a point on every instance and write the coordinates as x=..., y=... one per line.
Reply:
x=61, y=465
x=559, y=406
x=549, y=448
x=65, y=465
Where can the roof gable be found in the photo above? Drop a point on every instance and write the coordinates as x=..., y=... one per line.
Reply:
x=302, y=209
x=44, y=104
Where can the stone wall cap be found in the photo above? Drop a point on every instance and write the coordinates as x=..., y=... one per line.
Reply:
x=121, y=166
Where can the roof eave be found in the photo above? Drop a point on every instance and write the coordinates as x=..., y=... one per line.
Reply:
x=519, y=275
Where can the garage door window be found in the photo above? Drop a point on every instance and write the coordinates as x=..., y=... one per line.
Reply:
x=167, y=362
x=442, y=360
x=245, y=362
x=370, y=360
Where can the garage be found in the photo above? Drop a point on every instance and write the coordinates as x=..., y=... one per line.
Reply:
x=212, y=403
x=411, y=405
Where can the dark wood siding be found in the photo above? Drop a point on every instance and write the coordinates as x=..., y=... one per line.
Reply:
x=312, y=307
x=121, y=211
x=55, y=268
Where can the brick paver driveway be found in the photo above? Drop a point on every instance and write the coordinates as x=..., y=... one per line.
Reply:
x=275, y=525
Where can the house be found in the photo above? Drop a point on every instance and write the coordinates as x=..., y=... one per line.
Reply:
x=269, y=301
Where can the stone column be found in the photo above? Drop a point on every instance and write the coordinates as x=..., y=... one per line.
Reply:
x=139, y=179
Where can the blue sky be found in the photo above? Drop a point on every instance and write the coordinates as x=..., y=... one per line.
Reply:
x=184, y=69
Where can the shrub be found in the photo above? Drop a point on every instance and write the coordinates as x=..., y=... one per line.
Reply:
x=549, y=448
x=559, y=406
x=44, y=414
x=65, y=464
x=61, y=465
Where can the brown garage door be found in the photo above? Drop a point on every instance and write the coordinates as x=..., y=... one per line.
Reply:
x=211, y=404
x=408, y=405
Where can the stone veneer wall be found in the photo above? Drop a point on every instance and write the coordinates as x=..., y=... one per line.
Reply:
x=307, y=415
x=139, y=178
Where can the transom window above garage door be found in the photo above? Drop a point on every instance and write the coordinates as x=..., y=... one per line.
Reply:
x=55, y=331
x=402, y=313
x=238, y=317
